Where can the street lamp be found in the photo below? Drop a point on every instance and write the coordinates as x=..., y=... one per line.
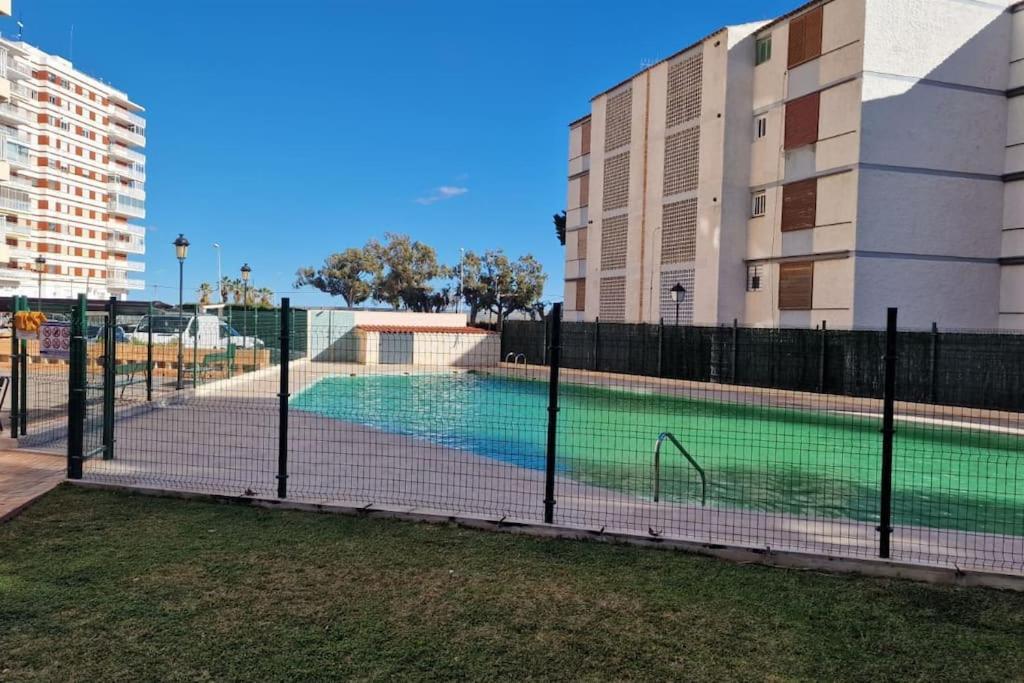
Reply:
x=245, y=302
x=181, y=250
x=40, y=267
x=220, y=287
x=462, y=275
x=678, y=293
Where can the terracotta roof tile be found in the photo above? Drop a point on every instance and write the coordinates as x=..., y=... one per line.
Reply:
x=420, y=329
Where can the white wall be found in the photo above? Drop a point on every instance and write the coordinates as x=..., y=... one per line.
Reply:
x=440, y=349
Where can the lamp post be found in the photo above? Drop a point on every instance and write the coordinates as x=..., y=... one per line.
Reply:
x=678, y=293
x=40, y=267
x=181, y=250
x=462, y=264
x=245, y=302
x=220, y=288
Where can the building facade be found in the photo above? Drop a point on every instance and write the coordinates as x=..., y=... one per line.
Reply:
x=846, y=157
x=72, y=180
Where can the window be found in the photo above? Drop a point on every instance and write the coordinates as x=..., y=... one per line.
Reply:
x=760, y=127
x=764, y=50
x=799, y=205
x=796, y=286
x=755, y=277
x=805, y=35
x=758, y=204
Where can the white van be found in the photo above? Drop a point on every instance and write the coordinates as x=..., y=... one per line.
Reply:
x=214, y=333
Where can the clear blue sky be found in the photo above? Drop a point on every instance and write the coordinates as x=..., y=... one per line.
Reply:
x=288, y=130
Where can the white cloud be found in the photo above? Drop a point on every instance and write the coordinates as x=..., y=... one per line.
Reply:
x=442, y=193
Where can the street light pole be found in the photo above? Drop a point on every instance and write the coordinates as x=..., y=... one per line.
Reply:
x=220, y=288
x=246, y=270
x=40, y=266
x=462, y=275
x=678, y=293
x=181, y=250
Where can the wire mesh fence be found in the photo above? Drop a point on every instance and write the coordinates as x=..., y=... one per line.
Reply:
x=704, y=434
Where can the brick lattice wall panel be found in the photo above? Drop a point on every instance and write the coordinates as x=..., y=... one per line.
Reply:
x=614, y=233
x=802, y=116
x=682, y=161
x=799, y=205
x=667, y=308
x=796, y=286
x=581, y=295
x=618, y=120
x=613, y=299
x=684, y=90
x=581, y=243
x=585, y=138
x=679, y=232
x=616, y=182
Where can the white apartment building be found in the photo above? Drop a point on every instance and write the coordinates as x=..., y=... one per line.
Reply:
x=72, y=180
x=846, y=157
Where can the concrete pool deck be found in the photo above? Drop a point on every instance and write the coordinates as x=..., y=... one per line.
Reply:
x=221, y=439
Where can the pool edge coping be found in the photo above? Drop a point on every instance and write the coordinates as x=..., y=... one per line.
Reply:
x=739, y=554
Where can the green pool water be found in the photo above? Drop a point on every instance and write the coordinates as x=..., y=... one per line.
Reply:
x=818, y=464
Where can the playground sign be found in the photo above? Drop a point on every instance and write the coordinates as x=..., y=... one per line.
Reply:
x=55, y=340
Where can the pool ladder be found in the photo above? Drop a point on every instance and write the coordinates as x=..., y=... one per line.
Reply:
x=515, y=358
x=668, y=436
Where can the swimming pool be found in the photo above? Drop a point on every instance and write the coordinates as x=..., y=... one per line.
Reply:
x=819, y=464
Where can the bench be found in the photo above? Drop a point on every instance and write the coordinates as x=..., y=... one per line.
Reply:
x=217, y=362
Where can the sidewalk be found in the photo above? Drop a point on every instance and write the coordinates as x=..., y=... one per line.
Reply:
x=25, y=476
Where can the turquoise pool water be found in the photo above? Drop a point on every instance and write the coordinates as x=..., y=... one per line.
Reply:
x=771, y=459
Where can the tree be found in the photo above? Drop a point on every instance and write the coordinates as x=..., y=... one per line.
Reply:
x=264, y=297
x=559, y=219
x=205, y=291
x=226, y=289
x=350, y=274
x=407, y=270
x=494, y=283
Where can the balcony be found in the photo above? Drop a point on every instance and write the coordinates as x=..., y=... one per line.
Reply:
x=135, y=245
x=13, y=115
x=135, y=172
x=125, y=154
x=122, y=205
x=127, y=191
x=129, y=136
x=12, y=228
x=16, y=70
x=117, y=280
x=121, y=114
x=21, y=90
x=130, y=266
x=13, y=153
x=14, y=200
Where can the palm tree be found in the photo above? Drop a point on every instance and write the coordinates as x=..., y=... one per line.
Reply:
x=227, y=289
x=264, y=297
x=205, y=291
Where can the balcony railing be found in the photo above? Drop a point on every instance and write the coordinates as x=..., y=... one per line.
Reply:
x=121, y=152
x=14, y=200
x=117, y=279
x=131, y=266
x=126, y=206
x=130, y=136
x=13, y=114
x=136, y=245
x=122, y=114
x=127, y=191
x=14, y=153
x=17, y=70
x=135, y=172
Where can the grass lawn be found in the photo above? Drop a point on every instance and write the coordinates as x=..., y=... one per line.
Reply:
x=98, y=586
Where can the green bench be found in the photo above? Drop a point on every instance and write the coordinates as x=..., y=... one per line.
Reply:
x=215, y=362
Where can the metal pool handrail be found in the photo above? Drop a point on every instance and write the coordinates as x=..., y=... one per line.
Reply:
x=515, y=357
x=657, y=466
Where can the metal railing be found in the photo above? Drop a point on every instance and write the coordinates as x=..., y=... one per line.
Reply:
x=122, y=152
x=686, y=454
x=14, y=200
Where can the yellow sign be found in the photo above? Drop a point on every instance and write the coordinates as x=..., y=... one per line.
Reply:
x=27, y=323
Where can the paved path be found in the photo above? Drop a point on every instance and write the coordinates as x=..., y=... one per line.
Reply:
x=25, y=476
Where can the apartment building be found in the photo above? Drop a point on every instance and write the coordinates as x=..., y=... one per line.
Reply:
x=848, y=156
x=72, y=180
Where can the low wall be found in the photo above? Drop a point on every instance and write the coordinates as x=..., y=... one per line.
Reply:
x=440, y=349
x=331, y=333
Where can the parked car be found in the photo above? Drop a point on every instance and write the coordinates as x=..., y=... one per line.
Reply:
x=94, y=333
x=214, y=333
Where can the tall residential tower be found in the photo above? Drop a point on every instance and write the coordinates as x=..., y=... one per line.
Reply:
x=71, y=179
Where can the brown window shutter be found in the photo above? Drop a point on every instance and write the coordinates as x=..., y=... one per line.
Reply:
x=581, y=243
x=796, y=286
x=584, y=189
x=581, y=295
x=805, y=37
x=802, y=116
x=799, y=205
x=585, y=132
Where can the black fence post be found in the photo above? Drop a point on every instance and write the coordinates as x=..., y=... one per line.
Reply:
x=282, y=396
x=554, y=355
x=735, y=348
x=109, y=378
x=661, y=347
x=597, y=342
x=933, y=365
x=822, y=350
x=149, y=353
x=15, y=369
x=888, y=415
x=547, y=332
x=76, y=390
x=23, y=375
